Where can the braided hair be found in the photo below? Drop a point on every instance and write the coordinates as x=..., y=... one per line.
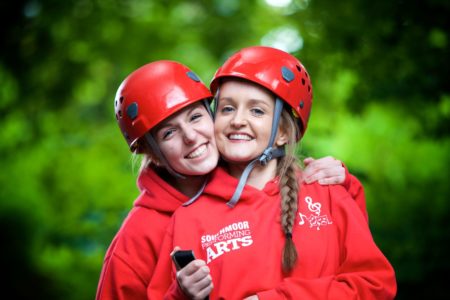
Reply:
x=287, y=171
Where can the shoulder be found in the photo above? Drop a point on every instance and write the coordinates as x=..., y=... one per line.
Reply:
x=324, y=192
x=142, y=218
x=328, y=206
x=334, y=200
x=331, y=197
x=142, y=229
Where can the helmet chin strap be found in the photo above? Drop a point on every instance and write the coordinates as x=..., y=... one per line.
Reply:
x=208, y=108
x=215, y=104
x=268, y=154
x=155, y=148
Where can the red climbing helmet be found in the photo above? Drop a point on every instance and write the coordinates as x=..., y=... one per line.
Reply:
x=276, y=70
x=152, y=93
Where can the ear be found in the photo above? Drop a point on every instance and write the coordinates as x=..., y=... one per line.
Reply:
x=282, y=138
x=155, y=160
x=152, y=157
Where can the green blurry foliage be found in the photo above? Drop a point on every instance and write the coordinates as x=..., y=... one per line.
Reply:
x=381, y=105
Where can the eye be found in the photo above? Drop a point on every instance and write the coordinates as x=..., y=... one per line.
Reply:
x=227, y=109
x=195, y=117
x=166, y=134
x=257, y=111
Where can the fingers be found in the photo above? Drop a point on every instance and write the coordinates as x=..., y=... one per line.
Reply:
x=195, y=267
x=308, y=160
x=327, y=176
x=332, y=180
x=195, y=279
x=175, y=249
x=326, y=170
x=324, y=162
x=202, y=288
x=314, y=165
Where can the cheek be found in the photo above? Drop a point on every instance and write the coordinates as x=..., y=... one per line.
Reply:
x=169, y=150
x=218, y=126
x=266, y=127
x=206, y=130
x=219, y=138
x=209, y=131
x=216, y=132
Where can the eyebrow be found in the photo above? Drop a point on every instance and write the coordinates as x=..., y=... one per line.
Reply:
x=193, y=107
x=189, y=111
x=252, y=101
x=259, y=101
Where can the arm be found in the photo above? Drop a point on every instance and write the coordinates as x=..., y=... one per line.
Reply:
x=328, y=170
x=163, y=275
x=191, y=282
x=119, y=281
x=356, y=191
x=363, y=271
x=163, y=281
x=131, y=258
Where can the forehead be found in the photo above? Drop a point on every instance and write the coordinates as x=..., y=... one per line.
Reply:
x=244, y=89
x=181, y=113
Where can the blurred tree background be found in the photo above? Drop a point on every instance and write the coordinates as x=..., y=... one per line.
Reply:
x=380, y=72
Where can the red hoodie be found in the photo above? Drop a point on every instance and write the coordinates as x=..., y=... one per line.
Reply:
x=337, y=257
x=132, y=255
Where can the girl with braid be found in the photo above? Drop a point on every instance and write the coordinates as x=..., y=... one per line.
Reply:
x=162, y=110
x=259, y=231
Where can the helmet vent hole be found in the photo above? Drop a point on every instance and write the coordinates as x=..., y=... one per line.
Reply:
x=119, y=113
x=306, y=73
x=309, y=88
x=115, y=103
x=303, y=81
x=121, y=99
x=298, y=68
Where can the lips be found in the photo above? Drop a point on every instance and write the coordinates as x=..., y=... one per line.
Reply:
x=197, y=152
x=239, y=137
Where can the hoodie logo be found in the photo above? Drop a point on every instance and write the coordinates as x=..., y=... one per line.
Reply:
x=315, y=219
x=230, y=238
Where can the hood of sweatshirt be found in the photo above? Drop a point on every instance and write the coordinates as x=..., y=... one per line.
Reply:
x=157, y=194
x=223, y=185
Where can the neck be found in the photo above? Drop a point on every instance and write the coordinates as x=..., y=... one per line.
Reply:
x=259, y=176
x=189, y=186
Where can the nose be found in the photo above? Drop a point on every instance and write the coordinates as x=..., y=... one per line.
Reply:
x=189, y=135
x=238, y=119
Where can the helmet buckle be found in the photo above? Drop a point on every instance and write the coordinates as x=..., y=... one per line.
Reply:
x=266, y=156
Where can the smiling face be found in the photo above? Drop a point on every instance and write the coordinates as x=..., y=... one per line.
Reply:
x=186, y=140
x=243, y=121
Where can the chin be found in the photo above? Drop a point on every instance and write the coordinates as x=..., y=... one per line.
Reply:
x=240, y=159
x=202, y=170
x=195, y=173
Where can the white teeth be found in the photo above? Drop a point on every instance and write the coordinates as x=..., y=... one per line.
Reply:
x=199, y=151
x=239, y=137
